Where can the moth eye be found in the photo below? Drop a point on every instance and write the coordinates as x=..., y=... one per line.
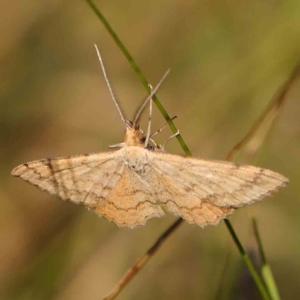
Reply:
x=149, y=147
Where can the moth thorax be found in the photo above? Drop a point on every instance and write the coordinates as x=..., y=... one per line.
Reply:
x=133, y=137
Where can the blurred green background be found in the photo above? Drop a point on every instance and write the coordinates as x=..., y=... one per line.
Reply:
x=228, y=59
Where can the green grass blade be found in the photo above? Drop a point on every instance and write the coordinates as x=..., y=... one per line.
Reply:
x=259, y=242
x=270, y=281
x=260, y=285
x=265, y=269
x=140, y=74
x=130, y=59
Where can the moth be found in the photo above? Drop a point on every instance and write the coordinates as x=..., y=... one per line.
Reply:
x=138, y=182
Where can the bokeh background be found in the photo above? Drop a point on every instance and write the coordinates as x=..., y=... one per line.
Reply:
x=228, y=59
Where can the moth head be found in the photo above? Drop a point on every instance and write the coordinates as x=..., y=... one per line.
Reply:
x=133, y=135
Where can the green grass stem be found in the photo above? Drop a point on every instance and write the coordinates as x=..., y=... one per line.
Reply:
x=259, y=283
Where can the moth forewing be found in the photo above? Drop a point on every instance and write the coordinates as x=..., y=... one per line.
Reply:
x=220, y=183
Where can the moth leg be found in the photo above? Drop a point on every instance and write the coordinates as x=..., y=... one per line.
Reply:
x=162, y=128
x=162, y=147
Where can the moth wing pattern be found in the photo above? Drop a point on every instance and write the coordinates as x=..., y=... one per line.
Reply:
x=203, y=192
x=81, y=179
x=101, y=181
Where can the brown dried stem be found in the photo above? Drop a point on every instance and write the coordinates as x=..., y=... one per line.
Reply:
x=142, y=261
x=256, y=135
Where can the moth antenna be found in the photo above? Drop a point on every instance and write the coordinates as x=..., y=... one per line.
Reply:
x=149, y=121
x=109, y=86
x=138, y=115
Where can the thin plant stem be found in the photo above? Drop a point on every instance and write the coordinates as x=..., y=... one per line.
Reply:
x=142, y=261
x=140, y=74
x=259, y=242
x=131, y=273
x=261, y=287
x=266, y=269
x=266, y=119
